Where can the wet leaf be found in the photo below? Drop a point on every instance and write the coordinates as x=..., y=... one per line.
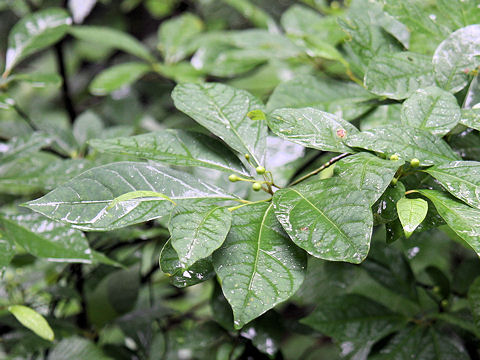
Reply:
x=258, y=265
x=32, y=320
x=411, y=213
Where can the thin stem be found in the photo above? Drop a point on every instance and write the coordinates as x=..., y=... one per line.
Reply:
x=25, y=117
x=67, y=100
x=249, y=203
x=410, y=192
x=323, y=167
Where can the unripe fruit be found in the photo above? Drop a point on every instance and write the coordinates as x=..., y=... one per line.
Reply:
x=247, y=156
x=444, y=303
x=256, y=186
x=394, y=157
x=233, y=178
x=415, y=163
x=394, y=181
x=260, y=170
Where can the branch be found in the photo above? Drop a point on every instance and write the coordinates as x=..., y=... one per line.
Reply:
x=324, y=166
x=67, y=100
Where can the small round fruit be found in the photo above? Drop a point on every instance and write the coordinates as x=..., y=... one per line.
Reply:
x=394, y=181
x=256, y=186
x=233, y=178
x=415, y=163
x=260, y=170
x=247, y=156
x=394, y=157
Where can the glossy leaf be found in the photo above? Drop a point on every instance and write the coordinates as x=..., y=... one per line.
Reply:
x=408, y=143
x=35, y=32
x=461, y=218
x=176, y=147
x=355, y=319
x=47, y=239
x=223, y=110
x=456, y=56
x=461, y=179
x=32, y=320
x=258, y=265
x=83, y=201
x=39, y=80
x=22, y=146
x=181, y=276
x=176, y=35
x=411, y=213
x=399, y=75
x=385, y=209
x=110, y=37
x=346, y=100
x=312, y=128
x=423, y=343
x=327, y=218
x=431, y=109
x=197, y=229
x=117, y=77
x=460, y=12
x=470, y=118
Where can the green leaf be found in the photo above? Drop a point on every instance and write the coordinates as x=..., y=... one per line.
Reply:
x=39, y=80
x=408, y=143
x=399, y=75
x=87, y=125
x=84, y=201
x=385, y=209
x=110, y=37
x=223, y=110
x=470, y=118
x=390, y=268
x=312, y=128
x=256, y=15
x=411, y=213
x=331, y=219
x=456, y=56
x=461, y=218
x=32, y=320
x=355, y=319
x=258, y=266
x=48, y=239
x=460, y=12
x=422, y=343
x=197, y=229
x=7, y=250
x=23, y=145
x=34, y=33
x=431, y=109
x=137, y=195
x=364, y=171
x=175, y=147
x=326, y=218
x=76, y=348
x=461, y=179
x=6, y=102
x=181, y=276
x=117, y=77
x=474, y=300
x=175, y=36
x=347, y=100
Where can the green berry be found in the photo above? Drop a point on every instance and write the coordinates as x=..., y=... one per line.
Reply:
x=260, y=170
x=444, y=303
x=394, y=157
x=436, y=289
x=394, y=181
x=256, y=186
x=415, y=163
x=247, y=156
x=233, y=178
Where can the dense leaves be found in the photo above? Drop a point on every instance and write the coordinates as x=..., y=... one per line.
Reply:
x=240, y=179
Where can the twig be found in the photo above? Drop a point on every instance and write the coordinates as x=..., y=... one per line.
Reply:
x=67, y=100
x=323, y=167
